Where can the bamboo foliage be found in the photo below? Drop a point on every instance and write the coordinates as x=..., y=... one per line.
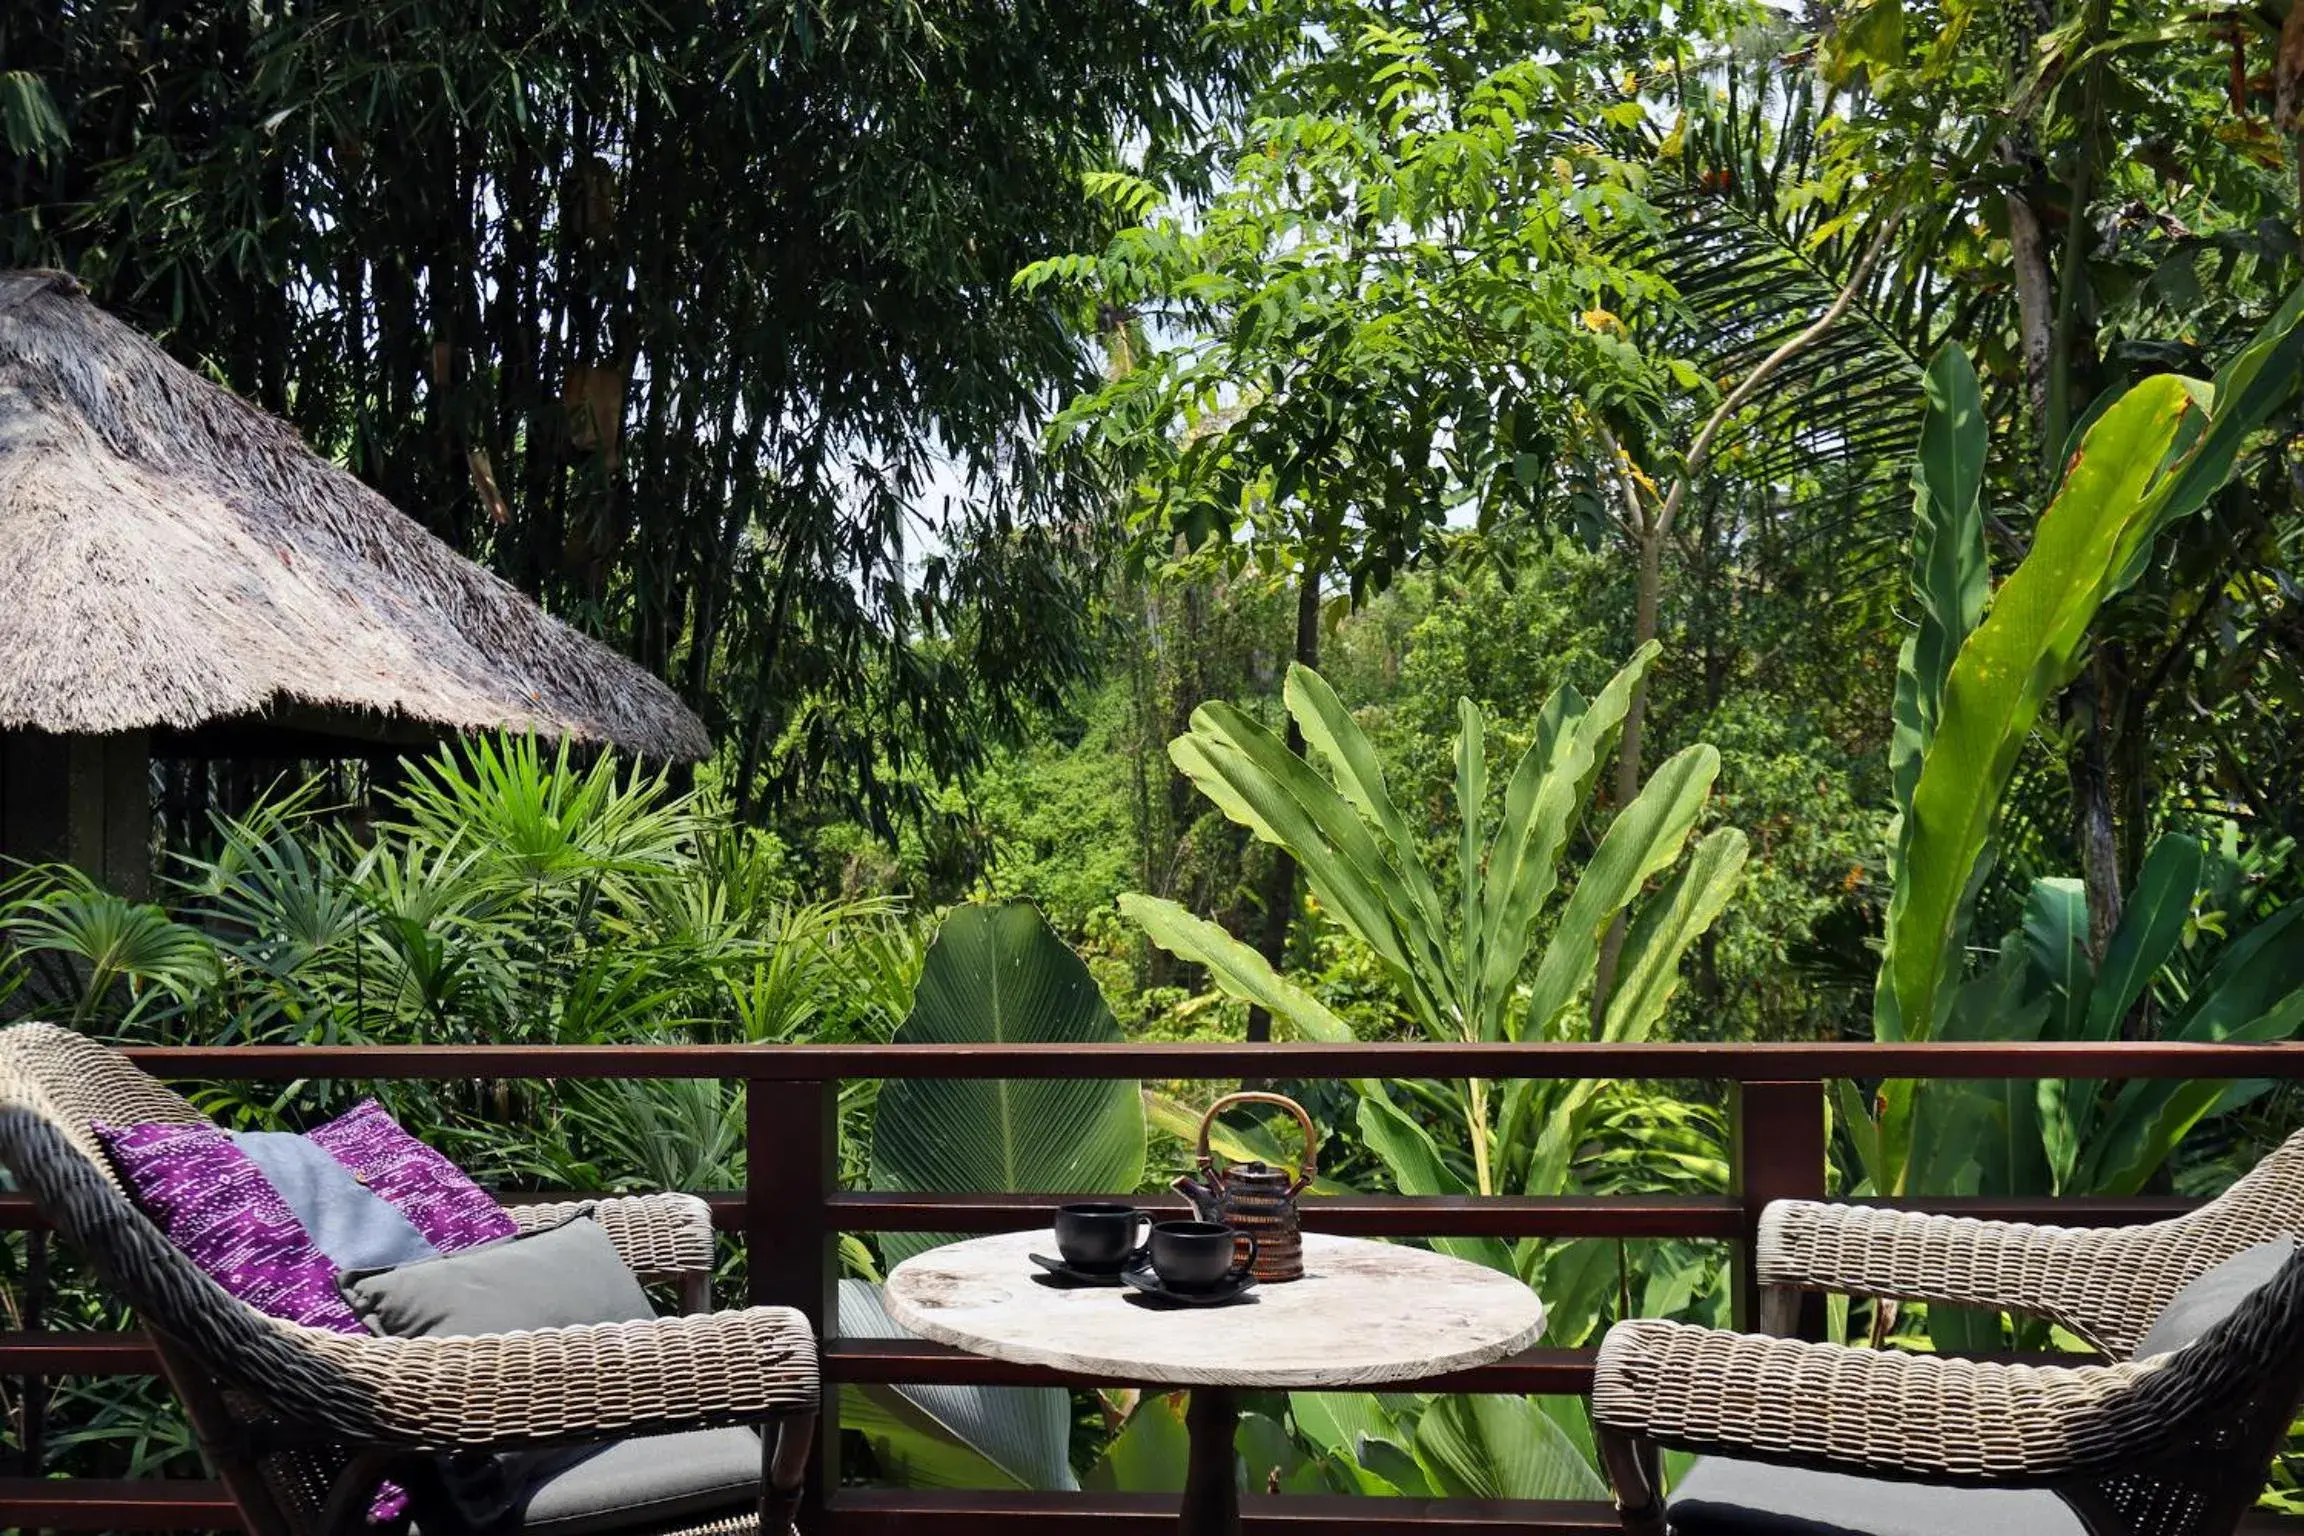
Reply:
x=691, y=320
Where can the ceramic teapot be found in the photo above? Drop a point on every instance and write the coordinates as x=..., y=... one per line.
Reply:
x=1252, y=1198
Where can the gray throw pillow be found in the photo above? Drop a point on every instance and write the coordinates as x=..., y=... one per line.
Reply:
x=2214, y=1296
x=563, y=1276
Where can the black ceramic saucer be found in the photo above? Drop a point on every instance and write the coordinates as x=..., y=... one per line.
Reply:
x=1145, y=1281
x=1066, y=1272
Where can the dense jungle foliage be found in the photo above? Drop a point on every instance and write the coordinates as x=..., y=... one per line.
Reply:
x=1522, y=520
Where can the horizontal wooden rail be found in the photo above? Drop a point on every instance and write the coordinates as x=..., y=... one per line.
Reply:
x=904, y=1512
x=1356, y=1215
x=131, y=1504
x=911, y=1362
x=1720, y=1216
x=916, y=1362
x=185, y=1504
x=1231, y=1059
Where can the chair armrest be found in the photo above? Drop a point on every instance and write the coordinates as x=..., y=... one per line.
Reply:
x=1875, y=1411
x=2104, y=1283
x=658, y=1236
x=547, y=1386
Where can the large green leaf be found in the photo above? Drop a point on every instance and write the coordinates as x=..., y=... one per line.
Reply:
x=1641, y=842
x=1471, y=814
x=1547, y=790
x=2248, y=390
x=2151, y=926
x=1259, y=783
x=1151, y=1453
x=2022, y=652
x=1669, y=922
x=1541, y=800
x=1410, y=1155
x=2254, y=991
x=1951, y=579
x=1330, y=731
x=1492, y=1447
x=2055, y=929
x=1238, y=969
x=1341, y=1421
x=2155, y=455
x=998, y=974
x=954, y=1437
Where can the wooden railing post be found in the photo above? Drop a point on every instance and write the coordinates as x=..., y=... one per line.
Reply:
x=791, y=1248
x=1777, y=1131
x=33, y=1403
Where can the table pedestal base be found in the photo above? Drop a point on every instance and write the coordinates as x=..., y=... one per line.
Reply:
x=1211, y=1486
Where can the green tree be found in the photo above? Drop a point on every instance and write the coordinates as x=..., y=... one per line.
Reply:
x=693, y=321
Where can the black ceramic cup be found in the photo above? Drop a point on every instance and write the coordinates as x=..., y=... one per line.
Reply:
x=1195, y=1255
x=1099, y=1234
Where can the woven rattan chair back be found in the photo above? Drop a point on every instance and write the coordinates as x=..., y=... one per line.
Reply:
x=55, y=1088
x=2265, y=1203
x=2184, y=1452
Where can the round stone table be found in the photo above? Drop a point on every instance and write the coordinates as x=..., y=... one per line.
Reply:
x=1364, y=1314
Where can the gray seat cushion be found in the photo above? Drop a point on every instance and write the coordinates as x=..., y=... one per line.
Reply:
x=1720, y=1497
x=2214, y=1296
x=562, y=1276
x=642, y=1482
x=629, y=1483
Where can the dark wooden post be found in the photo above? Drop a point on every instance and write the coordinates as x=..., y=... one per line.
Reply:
x=80, y=800
x=791, y=1248
x=1779, y=1154
x=35, y=1389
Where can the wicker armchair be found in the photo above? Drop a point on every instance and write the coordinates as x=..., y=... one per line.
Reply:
x=2174, y=1444
x=303, y=1424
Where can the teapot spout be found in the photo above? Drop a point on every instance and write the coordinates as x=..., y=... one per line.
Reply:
x=1202, y=1197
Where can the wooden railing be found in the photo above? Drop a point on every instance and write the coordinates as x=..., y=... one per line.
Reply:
x=793, y=1211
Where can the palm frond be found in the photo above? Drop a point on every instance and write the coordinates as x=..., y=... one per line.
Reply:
x=1757, y=243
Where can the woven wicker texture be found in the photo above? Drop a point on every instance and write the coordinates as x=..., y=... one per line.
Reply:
x=322, y=1398
x=2107, y=1285
x=660, y=1237
x=2174, y=1445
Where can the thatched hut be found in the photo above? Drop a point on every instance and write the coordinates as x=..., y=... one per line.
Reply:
x=181, y=575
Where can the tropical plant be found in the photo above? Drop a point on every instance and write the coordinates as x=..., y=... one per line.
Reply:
x=1971, y=681
x=994, y=974
x=1457, y=961
x=504, y=892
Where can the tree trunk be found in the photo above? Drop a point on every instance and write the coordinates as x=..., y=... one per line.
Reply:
x=2066, y=365
x=2035, y=311
x=2093, y=827
x=1279, y=889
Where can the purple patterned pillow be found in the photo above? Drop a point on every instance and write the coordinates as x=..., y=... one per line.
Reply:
x=440, y=1202
x=217, y=1207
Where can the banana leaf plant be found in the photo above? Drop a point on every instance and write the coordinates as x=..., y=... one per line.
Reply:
x=993, y=974
x=1457, y=943
x=1971, y=683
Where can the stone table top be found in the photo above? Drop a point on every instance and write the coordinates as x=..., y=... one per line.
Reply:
x=1364, y=1313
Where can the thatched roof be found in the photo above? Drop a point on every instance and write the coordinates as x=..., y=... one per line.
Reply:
x=171, y=556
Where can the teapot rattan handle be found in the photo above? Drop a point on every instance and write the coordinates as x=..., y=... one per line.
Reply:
x=1304, y=1175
